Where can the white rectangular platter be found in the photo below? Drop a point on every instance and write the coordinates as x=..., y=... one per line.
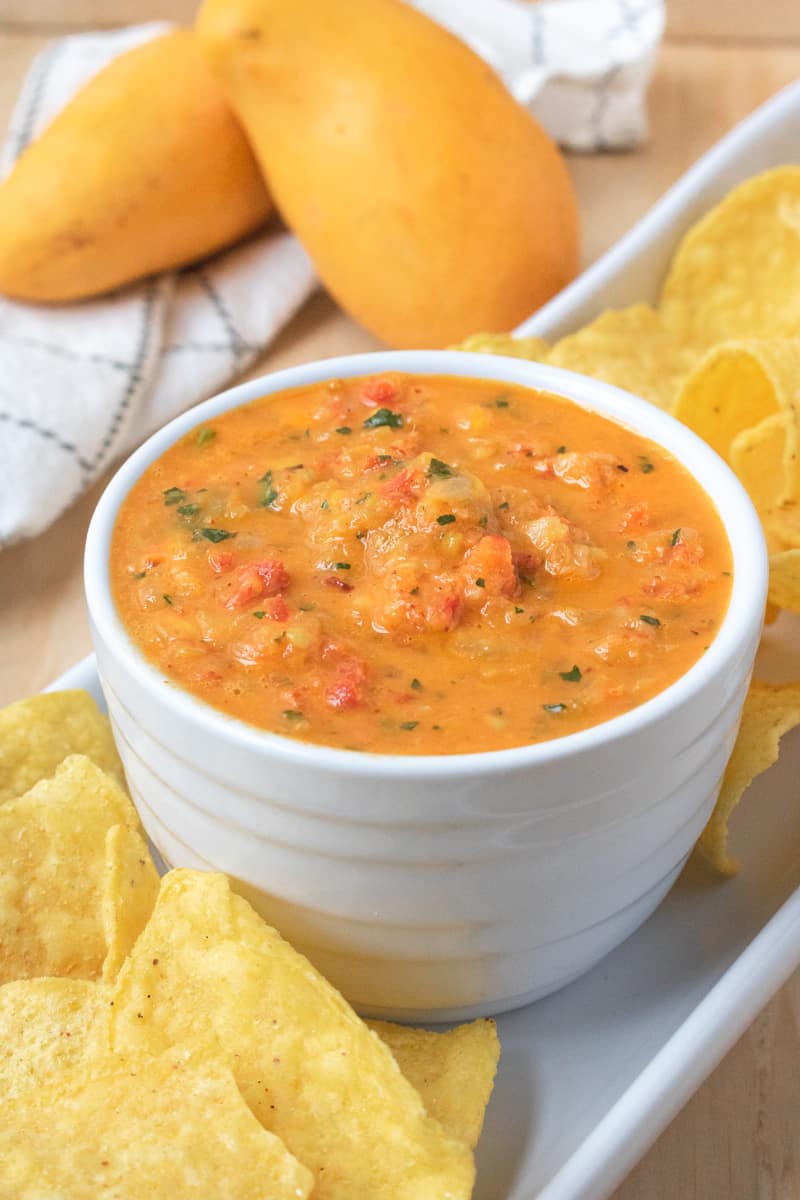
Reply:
x=590, y=1076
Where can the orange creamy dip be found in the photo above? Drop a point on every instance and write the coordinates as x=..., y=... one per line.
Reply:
x=419, y=565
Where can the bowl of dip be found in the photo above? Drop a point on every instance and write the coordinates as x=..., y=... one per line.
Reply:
x=439, y=656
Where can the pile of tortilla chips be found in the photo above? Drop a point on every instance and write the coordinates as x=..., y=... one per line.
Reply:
x=721, y=352
x=158, y=1038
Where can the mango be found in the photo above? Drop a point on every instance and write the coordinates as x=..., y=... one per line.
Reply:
x=431, y=203
x=144, y=170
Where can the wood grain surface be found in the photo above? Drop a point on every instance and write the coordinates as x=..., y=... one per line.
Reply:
x=739, y=1137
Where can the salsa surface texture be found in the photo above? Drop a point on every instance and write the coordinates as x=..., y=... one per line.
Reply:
x=419, y=565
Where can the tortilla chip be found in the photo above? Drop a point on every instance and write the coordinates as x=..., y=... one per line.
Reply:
x=130, y=888
x=735, y=390
x=630, y=348
x=39, y=733
x=53, y=871
x=533, y=348
x=737, y=272
x=784, y=580
x=206, y=964
x=48, y=1026
x=770, y=711
x=453, y=1072
x=132, y=1127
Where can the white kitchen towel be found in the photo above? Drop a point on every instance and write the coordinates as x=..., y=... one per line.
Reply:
x=81, y=384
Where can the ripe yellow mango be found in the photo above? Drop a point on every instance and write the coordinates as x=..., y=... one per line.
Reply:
x=145, y=169
x=430, y=201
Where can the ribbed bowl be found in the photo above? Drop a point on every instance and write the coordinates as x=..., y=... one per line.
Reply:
x=440, y=886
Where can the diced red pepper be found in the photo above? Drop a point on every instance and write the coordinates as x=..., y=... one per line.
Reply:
x=377, y=392
x=220, y=561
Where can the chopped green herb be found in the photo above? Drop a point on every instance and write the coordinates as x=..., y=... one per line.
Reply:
x=206, y=435
x=503, y=505
x=531, y=619
x=409, y=725
x=483, y=521
x=259, y=615
x=324, y=506
x=188, y=510
x=501, y=402
x=437, y=727
x=384, y=416
x=344, y=429
x=573, y=676
x=631, y=545
x=361, y=499
x=414, y=591
x=561, y=450
x=517, y=609
x=727, y=573
x=268, y=493
x=554, y=707
x=416, y=685
x=384, y=458
x=307, y=607
x=168, y=599
x=342, y=566
x=439, y=470
x=140, y=574
x=645, y=465
x=214, y=535
x=292, y=714
x=174, y=495
x=480, y=582
x=650, y=620
x=445, y=519
x=676, y=535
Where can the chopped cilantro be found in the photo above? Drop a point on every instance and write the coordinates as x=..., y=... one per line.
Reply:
x=384, y=416
x=554, y=707
x=292, y=714
x=324, y=506
x=517, y=609
x=645, y=465
x=205, y=435
x=631, y=545
x=342, y=566
x=414, y=591
x=214, y=535
x=445, y=519
x=416, y=685
x=174, y=495
x=307, y=607
x=483, y=521
x=268, y=493
x=344, y=429
x=259, y=615
x=501, y=402
x=561, y=450
x=727, y=573
x=480, y=582
x=650, y=620
x=361, y=499
x=622, y=467
x=188, y=510
x=409, y=725
x=384, y=458
x=439, y=470
x=168, y=599
x=140, y=574
x=573, y=676
x=676, y=535
x=503, y=505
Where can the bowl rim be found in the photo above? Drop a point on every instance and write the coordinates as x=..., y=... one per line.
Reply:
x=743, y=617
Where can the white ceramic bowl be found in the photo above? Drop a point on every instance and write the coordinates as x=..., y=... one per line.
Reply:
x=440, y=887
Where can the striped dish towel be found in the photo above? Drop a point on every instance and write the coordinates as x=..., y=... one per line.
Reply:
x=82, y=384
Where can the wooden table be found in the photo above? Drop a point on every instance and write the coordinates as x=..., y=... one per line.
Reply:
x=739, y=1138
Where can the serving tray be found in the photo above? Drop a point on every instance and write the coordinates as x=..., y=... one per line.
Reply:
x=591, y=1075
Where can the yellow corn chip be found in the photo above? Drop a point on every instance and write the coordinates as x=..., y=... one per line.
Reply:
x=632, y=349
x=142, y=1128
x=533, y=348
x=770, y=711
x=306, y=1064
x=737, y=272
x=53, y=869
x=130, y=887
x=48, y=1026
x=784, y=580
x=737, y=388
x=453, y=1072
x=39, y=733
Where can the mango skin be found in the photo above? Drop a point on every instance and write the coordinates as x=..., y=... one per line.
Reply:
x=430, y=201
x=145, y=169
